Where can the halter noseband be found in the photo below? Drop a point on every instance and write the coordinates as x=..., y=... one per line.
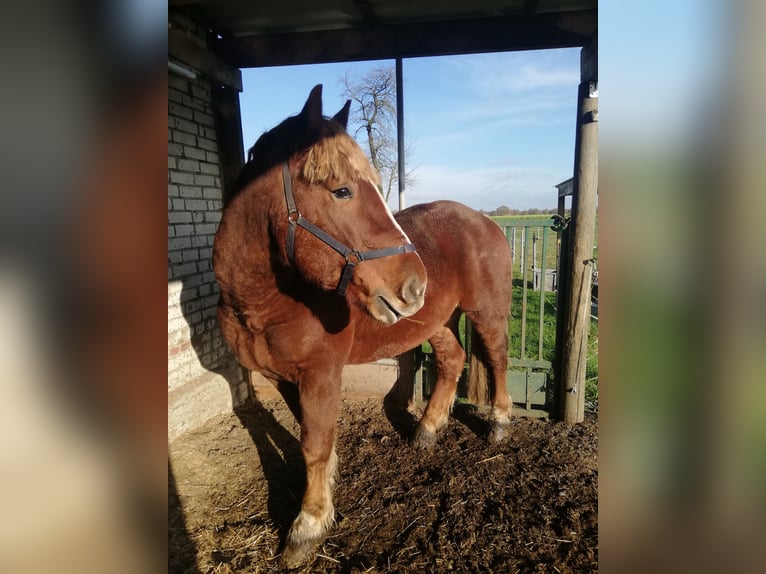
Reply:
x=352, y=256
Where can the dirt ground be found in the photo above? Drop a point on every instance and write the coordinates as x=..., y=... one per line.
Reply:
x=526, y=505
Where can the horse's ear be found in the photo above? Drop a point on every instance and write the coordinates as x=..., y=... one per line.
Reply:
x=312, y=109
x=342, y=116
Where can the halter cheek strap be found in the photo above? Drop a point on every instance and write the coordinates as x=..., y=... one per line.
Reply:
x=352, y=256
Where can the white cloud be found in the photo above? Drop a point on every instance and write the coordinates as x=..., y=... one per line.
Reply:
x=485, y=188
x=507, y=74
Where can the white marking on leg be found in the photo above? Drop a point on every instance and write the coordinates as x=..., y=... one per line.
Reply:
x=309, y=527
x=501, y=417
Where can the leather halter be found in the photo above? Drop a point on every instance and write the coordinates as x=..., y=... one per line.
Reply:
x=352, y=256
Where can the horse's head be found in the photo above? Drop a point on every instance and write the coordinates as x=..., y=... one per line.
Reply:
x=331, y=223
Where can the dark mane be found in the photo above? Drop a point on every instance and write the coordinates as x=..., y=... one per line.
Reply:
x=281, y=143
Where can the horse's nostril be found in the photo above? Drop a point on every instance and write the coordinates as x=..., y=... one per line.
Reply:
x=413, y=289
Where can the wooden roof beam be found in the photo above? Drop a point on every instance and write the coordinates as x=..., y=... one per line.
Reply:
x=535, y=32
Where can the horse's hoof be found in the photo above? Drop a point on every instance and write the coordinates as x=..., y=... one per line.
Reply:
x=499, y=432
x=296, y=555
x=424, y=438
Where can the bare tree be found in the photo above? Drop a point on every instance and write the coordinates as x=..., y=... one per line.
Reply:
x=373, y=122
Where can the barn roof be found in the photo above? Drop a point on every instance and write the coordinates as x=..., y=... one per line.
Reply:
x=266, y=33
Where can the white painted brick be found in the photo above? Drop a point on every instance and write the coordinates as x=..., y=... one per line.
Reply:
x=179, y=217
x=184, y=138
x=214, y=205
x=204, y=119
x=172, y=190
x=210, y=313
x=194, y=153
x=182, y=230
x=208, y=133
x=175, y=95
x=196, y=205
x=178, y=323
x=185, y=269
x=205, y=143
x=179, y=83
x=171, y=162
x=193, y=280
x=186, y=126
x=208, y=168
x=183, y=178
x=190, y=255
x=180, y=111
x=191, y=191
x=204, y=229
x=179, y=204
x=212, y=193
x=179, y=243
x=210, y=301
x=200, y=241
x=188, y=293
x=198, y=216
x=175, y=149
x=190, y=308
x=204, y=179
x=188, y=165
x=213, y=216
x=194, y=103
x=193, y=318
x=212, y=157
x=200, y=93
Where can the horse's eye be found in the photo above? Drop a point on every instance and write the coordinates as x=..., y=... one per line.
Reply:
x=342, y=193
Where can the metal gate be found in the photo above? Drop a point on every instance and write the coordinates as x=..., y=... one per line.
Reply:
x=531, y=324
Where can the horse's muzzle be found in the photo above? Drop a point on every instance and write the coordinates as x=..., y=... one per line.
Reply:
x=389, y=308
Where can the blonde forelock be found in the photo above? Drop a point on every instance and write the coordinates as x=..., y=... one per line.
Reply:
x=338, y=157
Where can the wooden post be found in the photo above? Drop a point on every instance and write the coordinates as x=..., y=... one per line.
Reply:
x=580, y=255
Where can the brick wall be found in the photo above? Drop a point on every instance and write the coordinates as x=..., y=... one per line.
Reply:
x=203, y=377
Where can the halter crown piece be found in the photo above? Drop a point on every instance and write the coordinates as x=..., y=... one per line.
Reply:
x=352, y=256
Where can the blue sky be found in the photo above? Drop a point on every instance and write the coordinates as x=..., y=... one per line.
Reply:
x=486, y=130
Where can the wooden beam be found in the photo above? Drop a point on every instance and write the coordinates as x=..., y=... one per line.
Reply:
x=228, y=121
x=186, y=50
x=539, y=31
x=364, y=8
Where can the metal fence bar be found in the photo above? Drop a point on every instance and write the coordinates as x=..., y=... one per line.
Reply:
x=542, y=295
x=523, y=352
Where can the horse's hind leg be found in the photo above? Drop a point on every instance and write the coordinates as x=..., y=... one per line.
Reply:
x=450, y=358
x=492, y=332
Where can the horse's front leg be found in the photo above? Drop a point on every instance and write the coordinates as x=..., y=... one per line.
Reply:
x=319, y=401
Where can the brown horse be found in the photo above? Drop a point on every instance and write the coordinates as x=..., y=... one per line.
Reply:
x=316, y=273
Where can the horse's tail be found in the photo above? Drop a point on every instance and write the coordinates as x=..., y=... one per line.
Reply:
x=478, y=387
x=481, y=367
